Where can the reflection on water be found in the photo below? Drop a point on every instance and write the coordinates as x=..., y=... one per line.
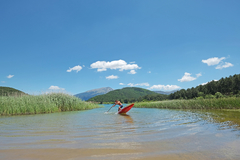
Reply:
x=127, y=118
x=146, y=132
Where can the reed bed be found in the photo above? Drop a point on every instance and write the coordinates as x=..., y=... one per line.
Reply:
x=46, y=103
x=220, y=103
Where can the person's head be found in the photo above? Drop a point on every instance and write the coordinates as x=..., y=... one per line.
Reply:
x=116, y=100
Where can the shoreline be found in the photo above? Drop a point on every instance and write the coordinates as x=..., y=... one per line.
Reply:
x=220, y=103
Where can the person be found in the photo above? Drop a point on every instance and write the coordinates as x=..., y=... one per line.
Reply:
x=118, y=103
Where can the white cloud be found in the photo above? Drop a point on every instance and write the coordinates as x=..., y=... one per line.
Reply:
x=225, y=65
x=132, y=72
x=139, y=84
x=76, y=68
x=149, y=72
x=121, y=84
x=112, y=77
x=187, y=77
x=163, y=87
x=55, y=88
x=199, y=75
x=118, y=64
x=10, y=76
x=213, y=61
x=207, y=82
x=133, y=62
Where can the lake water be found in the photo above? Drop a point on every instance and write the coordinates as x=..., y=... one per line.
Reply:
x=141, y=134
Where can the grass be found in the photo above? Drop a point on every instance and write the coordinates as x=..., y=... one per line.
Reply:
x=46, y=103
x=220, y=103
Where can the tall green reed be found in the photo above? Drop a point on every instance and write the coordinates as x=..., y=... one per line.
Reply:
x=221, y=103
x=45, y=103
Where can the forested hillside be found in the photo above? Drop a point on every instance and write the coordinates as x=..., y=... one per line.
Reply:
x=165, y=92
x=8, y=91
x=215, y=89
x=125, y=95
x=153, y=97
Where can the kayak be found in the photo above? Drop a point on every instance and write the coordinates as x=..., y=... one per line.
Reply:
x=125, y=109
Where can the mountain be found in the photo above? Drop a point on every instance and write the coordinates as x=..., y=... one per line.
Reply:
x=92, y=93
x=122, y=94
x=166, y=93
x=8, y=91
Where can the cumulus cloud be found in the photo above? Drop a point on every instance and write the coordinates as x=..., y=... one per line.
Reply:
x=76, y=68
x=225, y=65
x=139, y=84
x=213, y=61
x=207, y=82
x=217, y=61
x=118, y=64
x=199, y=74
x=55, y=88
x=10, y=76
x=187, y=77
x=121, y=84
x=165, y=87
x=132, y=72
x=112, y=77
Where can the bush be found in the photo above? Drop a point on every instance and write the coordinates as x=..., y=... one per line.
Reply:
x=218, y=95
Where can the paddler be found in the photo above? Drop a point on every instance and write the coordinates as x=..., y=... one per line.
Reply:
x=118, y=103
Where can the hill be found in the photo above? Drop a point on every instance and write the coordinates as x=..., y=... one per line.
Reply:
x=125, y=95
x=8, y=91
x=92, y=93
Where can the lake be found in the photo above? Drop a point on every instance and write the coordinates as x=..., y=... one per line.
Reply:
x=141, y=134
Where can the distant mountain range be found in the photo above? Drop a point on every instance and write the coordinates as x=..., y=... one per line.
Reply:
x=92, y=93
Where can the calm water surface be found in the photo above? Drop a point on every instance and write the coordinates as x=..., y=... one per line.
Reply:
x=142, y=134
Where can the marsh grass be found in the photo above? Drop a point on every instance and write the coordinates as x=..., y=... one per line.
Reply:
x=220, y=103
x=45, y=103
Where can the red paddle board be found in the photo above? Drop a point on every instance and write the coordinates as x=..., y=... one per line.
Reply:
x=125, y=109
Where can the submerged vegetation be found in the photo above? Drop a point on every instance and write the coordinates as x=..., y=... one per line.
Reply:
x=220, y=103
x=46, y=103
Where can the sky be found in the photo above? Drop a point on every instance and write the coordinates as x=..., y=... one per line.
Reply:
x=78, y=45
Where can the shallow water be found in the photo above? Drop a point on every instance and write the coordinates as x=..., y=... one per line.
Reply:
x=141, y=134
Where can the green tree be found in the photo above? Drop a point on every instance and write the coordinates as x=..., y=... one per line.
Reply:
x=218, y=95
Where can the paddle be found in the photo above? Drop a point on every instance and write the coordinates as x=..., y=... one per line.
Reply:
x=110, y=108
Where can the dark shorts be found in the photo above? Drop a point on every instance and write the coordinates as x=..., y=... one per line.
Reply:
x=121, y=106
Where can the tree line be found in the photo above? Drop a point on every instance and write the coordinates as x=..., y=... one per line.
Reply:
x=227, y=86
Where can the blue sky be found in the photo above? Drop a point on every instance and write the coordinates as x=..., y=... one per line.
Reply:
x=76, y=45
